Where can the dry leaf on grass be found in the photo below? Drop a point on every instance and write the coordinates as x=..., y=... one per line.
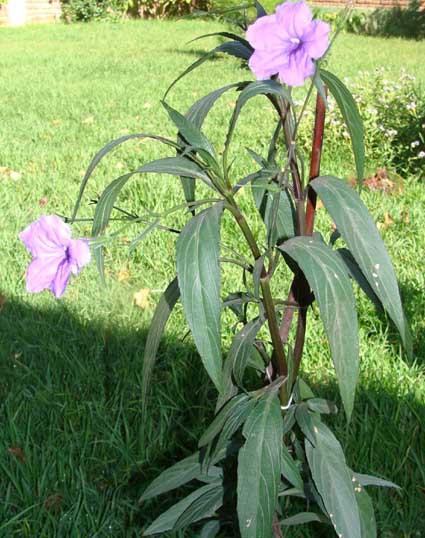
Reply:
x=388, y=221
x=123, y=275
x=18, y=452
x=141, y=298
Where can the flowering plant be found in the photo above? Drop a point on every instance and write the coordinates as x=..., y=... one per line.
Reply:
x=268, y=460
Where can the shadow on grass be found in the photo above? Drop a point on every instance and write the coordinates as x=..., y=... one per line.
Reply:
x=76, y=451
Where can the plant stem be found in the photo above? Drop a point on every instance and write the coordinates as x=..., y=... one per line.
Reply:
x=300, y=290
x=279, y=360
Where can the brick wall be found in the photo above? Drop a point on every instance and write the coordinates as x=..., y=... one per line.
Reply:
x=17, y=12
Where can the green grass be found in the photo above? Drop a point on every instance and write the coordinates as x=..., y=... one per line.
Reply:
x=70, y=370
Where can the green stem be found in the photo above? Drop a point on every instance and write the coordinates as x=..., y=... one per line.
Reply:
x=278, y=351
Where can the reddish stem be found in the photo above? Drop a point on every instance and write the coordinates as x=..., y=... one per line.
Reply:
x=316, y=155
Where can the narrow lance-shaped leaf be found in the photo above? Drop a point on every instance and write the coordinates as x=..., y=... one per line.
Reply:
x=259, y=467
x=197, y=114
x=359, y=231
x=199, y=505
x=233, y=48
x=352, y=118
x=198, y=271
x=179, y=474
x=163, y=311
x=107, y=149
x=331, y=285
x=334, y=482
x=285, y=218
x=238, y=358
x=259, y=87
x=176, y=166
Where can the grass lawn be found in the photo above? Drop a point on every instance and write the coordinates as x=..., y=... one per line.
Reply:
x=75, y=450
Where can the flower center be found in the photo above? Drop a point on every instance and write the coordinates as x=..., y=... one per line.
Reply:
x=295, y=40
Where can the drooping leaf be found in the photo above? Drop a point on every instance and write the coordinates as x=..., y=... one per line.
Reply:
x=302, y=518
x=334, y=482
x=322, y=406
x=233, y=48
x=359, y=231
x=189, y=131
x=352, y=118
x=210, y=529
x=229, y=35
x=176, y=166
x=181, y=473
x=258, y=87
x=285, y=218
x=366, y=511
x=367, y=480
x=356, y=274
x=198, y=271
x=259, y=468
x=238, y=357
x=107, y=149
x=290, y=470
x=261, y=12
x=331, y=285
x=237, y=403
x=201, y=108
x=199, y=505
x=308, y=422
x=163, y=311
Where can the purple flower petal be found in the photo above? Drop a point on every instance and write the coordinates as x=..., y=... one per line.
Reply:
x=287, y=43
x=316, y=39
x=293, y=17
x=60, y=281
x=41, y=272
x=78, y=254
x=46, y=235
x=264, y=33
x=299, y=68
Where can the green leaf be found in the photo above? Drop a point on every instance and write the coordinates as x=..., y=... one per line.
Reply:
x=367, y=480
x=210, y=529
x=259, y=87
x=189, y=131
x=366, y=511
x=198, y=271
x=239, y=354
x=197, y=114
x=163, y=311
x=233, y=48
x=333, y=481
x=259, y=468
x=238, y=403
x=200, y=504
x=261, y=12
x=331, y=285
x=308, y=422
x=181, y=473
x=229, y=35
x=358, y=229
x=356, y=274
x=201, y=108
x=290, y=470
x=176, y=166
x=107, y=149
x=302, y=518
x=285, y=218
x=322, y=406
x=352, y=118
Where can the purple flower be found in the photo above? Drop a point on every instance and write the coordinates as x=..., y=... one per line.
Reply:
x=55, y=255
x=286, y=43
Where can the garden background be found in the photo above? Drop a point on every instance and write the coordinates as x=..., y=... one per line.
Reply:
x=75, y=450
